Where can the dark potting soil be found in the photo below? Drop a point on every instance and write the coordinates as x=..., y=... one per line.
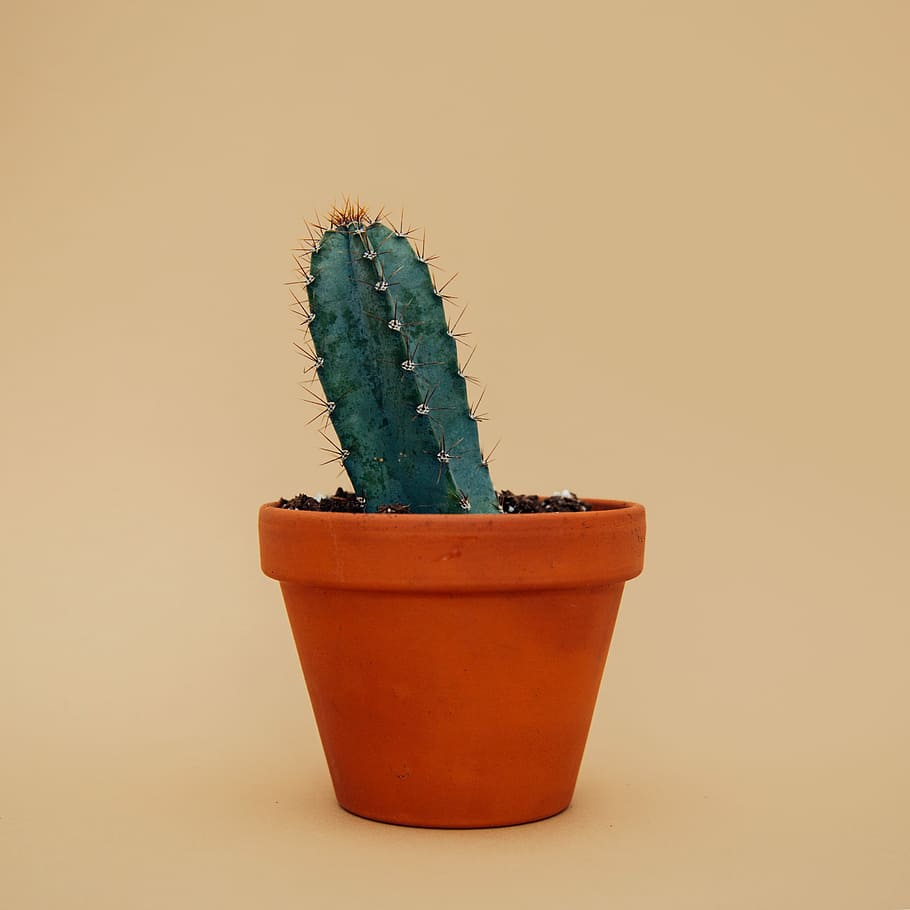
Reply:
x=515, y=503
x=511, y=503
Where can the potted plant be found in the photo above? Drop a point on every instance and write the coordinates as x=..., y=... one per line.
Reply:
x=452, y=653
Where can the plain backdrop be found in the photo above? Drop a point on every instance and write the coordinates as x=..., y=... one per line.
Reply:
x=681, y=231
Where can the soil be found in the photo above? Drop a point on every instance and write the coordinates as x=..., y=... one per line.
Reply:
x=515, y=503
x=341, y=501
x=511, y=503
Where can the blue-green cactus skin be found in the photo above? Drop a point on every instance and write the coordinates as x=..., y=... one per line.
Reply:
x=389, y=370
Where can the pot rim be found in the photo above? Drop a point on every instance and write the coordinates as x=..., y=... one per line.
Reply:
x=598, y=505
x=433, y=552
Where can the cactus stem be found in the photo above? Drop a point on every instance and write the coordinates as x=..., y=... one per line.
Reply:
x=397, y=407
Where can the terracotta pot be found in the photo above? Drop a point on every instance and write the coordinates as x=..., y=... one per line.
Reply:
x=453, y=661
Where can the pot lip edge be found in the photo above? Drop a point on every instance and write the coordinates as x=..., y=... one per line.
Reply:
x=606, y=507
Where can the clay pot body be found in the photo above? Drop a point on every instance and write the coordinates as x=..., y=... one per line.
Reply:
x=453, y=662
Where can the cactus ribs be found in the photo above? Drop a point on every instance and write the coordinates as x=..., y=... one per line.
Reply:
x=386, y=357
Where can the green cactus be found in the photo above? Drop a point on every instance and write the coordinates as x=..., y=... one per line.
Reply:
x=387, y=361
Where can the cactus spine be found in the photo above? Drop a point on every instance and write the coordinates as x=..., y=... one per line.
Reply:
x=388, y=365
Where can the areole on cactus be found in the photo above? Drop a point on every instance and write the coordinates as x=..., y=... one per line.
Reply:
x=387, y=360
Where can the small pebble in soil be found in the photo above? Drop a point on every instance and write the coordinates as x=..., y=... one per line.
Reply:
x=510, y=503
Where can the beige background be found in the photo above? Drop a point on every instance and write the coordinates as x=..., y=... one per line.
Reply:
x=682, y=230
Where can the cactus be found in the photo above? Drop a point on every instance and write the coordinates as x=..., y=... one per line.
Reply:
x=387, y=361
